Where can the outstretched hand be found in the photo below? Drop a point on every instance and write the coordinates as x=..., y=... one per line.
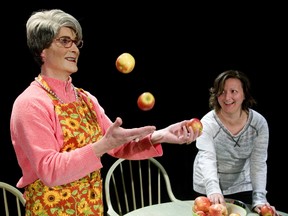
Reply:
x=117, y=135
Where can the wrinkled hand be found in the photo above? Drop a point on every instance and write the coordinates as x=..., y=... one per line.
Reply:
x=257, y=209
x=116, y=135
x=217, y=198
x=176, y=133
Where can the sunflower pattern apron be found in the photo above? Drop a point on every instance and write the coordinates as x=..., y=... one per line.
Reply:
x=84, y=196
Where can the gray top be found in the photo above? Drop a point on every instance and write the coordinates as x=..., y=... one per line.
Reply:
x=227, y=163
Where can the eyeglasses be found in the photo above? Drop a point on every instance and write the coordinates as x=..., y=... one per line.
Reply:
x=67, y=42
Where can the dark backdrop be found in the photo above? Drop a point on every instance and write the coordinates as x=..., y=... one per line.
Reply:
x=179, y=49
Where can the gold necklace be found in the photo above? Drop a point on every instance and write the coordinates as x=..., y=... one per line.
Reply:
x=53, y=93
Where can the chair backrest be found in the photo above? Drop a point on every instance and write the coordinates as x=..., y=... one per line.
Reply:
x=14, y=197
x=132, y=184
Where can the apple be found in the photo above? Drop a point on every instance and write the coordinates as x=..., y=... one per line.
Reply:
x=146, y=101
x=266, y=210
x=218, y=209
x=200, y=213
x=125, y=63
x=234, y=214
x=201, y=203
x=196, y=124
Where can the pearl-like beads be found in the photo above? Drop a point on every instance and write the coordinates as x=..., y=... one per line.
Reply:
x=53, y=93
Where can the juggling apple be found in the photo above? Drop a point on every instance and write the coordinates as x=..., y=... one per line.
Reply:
x=266, y=210
x=125, y=63
x=218, y=209
x=146, y=101
x=196, y=124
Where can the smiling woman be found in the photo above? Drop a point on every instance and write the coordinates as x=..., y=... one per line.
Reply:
x=61, y=137
x=233, y=149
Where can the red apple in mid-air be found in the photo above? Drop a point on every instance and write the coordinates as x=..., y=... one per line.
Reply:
x=196, y=124
x=201, y=203
x=146, y=101
x=218, y=209
x=266, y=210
x=125, y=63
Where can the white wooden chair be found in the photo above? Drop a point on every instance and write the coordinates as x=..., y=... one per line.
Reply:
x=14, y=197
x=133, y=184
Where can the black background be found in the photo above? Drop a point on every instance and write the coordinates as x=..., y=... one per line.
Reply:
x=179, y=49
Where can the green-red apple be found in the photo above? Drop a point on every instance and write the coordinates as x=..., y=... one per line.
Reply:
x=200, y=213
x=201, y=203
x=146, y=101
x=218, y=209
x=125, y=63
x=266, y=210
x=196, y=124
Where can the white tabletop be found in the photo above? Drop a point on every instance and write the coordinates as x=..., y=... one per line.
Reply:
x=181, y=208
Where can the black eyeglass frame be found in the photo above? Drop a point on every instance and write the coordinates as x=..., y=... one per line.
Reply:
x=67, y=42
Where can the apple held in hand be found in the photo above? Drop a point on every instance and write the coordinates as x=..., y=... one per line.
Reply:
x=146, y=101
x=125, y=63
x=196, y=124
x=266, y=210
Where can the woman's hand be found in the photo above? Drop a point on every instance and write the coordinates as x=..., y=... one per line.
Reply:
x=117, y=135
x=258, y=208
x=177, y=133
x=217, y=198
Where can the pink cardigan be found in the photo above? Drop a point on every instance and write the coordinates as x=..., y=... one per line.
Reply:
x=37, y=138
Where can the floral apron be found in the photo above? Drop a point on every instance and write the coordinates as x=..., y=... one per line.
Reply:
x=84, y=196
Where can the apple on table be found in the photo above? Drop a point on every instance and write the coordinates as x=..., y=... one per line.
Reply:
x=201, y=203
x=234, y=214
x=201, y=213
x=266, y=210
x=218, y=209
